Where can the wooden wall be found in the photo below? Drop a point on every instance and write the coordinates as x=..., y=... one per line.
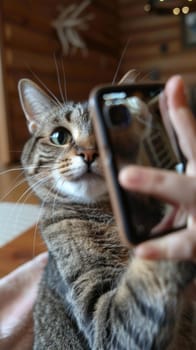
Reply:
x=155, y=42
x=29, y=44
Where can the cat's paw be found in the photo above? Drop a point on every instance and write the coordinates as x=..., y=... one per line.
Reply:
x=163, y=274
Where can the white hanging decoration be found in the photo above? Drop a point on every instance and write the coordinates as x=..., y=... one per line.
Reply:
x=68, y=23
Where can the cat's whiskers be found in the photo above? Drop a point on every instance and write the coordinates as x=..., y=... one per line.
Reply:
x=31, y=189
x=11, y=217
x=43, y=203
x=120, y=61
x=63, y=167
x=62, y=162
x=13, y=188
x=55, y=197
x=64, y=81
x=26, y=195
x=59, y=80
x=16, y=184
x=66, y=171
x=55, y=100
x=7, y=171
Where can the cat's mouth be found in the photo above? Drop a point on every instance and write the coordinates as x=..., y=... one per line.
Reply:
x=89, y=175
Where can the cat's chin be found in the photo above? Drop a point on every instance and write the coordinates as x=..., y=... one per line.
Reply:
x=89, y=188
x=89, y=176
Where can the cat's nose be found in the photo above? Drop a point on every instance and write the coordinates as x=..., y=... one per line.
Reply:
x=88, y=155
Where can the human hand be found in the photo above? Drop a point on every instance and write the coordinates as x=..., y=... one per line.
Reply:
x=179, y=189
x=17, y=296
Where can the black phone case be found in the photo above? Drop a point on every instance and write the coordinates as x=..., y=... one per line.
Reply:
x=136, y=215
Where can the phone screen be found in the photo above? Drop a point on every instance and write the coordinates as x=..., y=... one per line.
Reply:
x=130, y=130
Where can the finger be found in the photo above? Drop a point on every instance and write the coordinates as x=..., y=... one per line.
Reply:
x=180, y=245
x=181, y=116
x=22, y=284
x=167, y=122
x=26, y=273
x=176, y=189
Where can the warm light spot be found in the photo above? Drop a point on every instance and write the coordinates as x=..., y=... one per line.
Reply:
x=176, y=11
x=185, y=10
x=147, y=8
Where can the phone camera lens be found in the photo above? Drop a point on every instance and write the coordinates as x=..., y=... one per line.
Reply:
x=119, y=115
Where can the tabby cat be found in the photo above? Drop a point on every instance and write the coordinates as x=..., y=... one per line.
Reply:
x=94, y=293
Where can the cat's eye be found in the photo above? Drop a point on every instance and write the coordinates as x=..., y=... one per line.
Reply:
x=60, y=136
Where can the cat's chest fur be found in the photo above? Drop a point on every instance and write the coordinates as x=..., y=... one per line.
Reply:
x=84, y=231
x=87, y=262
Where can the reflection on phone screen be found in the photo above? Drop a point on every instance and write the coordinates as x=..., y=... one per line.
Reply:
x=137, y=135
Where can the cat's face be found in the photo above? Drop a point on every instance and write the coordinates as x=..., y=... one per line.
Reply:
x=61, y=159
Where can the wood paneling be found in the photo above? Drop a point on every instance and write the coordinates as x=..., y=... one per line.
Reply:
x=155, y=42
x=30, y=43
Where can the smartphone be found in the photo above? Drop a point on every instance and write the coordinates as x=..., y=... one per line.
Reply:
x=130, y=130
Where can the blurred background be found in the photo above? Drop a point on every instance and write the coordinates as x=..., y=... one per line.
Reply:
x=88, y=43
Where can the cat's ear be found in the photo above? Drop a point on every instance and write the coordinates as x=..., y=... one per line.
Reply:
x=130, y=77
x=34, y=102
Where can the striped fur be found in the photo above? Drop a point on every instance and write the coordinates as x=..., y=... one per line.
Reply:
x=94, y=293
